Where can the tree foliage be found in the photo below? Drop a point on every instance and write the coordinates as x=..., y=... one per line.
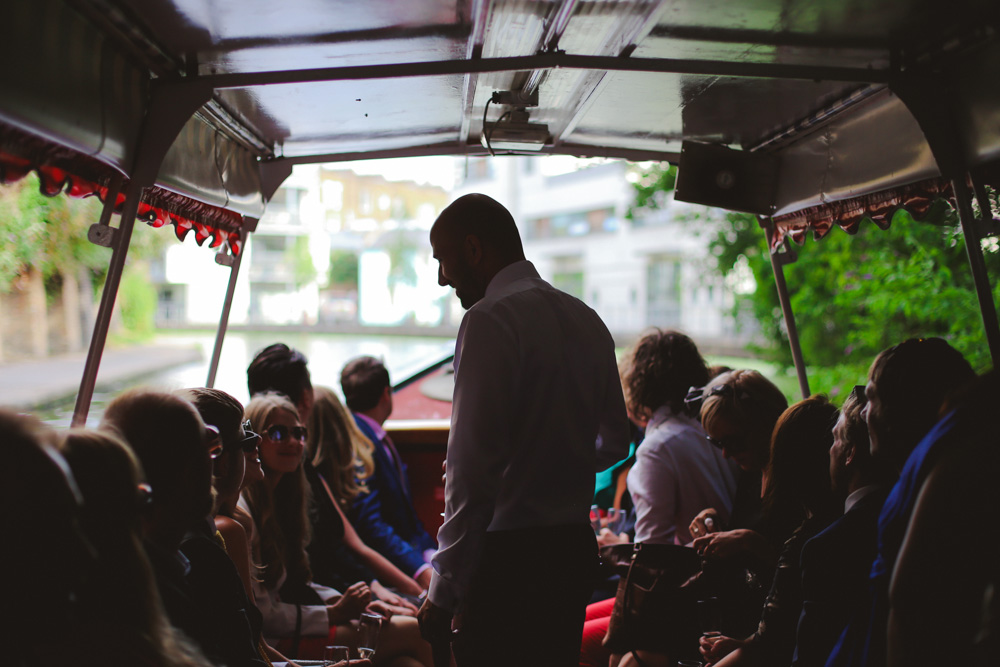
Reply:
x=343, y=268
x=852, y=296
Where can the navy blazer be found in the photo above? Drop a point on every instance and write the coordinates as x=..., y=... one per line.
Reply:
x=385, y=518
x=836, y=564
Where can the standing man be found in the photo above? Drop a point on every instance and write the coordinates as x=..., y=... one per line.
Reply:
x=384, y=517
x=536, y=386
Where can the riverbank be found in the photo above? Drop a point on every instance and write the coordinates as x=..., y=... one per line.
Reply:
x=40, y=383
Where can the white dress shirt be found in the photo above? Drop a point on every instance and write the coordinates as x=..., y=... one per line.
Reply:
x=538, y=409
x=677, y=473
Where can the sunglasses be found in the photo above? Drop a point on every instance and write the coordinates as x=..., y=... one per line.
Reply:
x=250, y=441
x=281, y=433
x=733, y=444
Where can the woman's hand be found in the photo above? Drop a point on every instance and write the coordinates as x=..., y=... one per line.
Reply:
x=388, y=610
x=607, y=537
x=726, y=544
x=404, y=606
x=716, y=647
x=705, y=522
x=350, y=605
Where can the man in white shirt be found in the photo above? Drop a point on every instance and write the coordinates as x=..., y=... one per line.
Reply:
x=538, y=408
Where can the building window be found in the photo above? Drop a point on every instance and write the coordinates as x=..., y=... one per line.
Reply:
x=663, y=292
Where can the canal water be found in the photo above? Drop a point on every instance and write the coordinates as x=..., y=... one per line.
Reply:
x=327, y=354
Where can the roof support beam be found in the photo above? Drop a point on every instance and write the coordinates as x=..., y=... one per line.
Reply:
x=234, y=263
x=451, y=148
x=480, y=19
x=539, y=61
x=778, y=261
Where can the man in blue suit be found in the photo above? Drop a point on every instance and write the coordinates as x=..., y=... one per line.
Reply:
x=385, y=518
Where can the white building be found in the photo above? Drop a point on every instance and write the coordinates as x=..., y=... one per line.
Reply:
x=650, y=271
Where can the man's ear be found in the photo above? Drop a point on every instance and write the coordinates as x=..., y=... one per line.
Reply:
x=849, y=452
x=473, y=249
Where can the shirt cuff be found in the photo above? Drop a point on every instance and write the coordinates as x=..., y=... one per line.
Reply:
x=443, y=593
x=420, y=570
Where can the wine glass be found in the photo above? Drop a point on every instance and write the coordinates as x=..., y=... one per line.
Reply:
x=368, y=628
x=595, y=519
x=334, y=654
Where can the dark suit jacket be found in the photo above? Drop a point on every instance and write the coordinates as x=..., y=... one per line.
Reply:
x=836, y=565
x=385, y=518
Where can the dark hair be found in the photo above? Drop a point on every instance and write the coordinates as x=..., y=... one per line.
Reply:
x=912, y=381
x=279, y=368
x=363, y=380
x=219, y=409
x=798, y=472
x=164, y=431
x=487, y=219
x=660, y=370
x=855, y=429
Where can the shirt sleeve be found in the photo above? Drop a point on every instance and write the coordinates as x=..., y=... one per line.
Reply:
x=479, y=449
x=652, y=482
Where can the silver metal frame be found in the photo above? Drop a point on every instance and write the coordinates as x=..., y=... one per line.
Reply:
x=778, y=262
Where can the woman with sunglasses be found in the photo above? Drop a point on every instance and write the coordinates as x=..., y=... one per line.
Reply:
x=304, y=614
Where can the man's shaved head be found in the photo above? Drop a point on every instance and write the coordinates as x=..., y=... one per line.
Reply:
x=473, y=239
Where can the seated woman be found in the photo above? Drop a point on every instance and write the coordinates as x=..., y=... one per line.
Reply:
x=339, y=460
x=124, y=617
x=293, y=606
x=796, y=483
x=676, y=471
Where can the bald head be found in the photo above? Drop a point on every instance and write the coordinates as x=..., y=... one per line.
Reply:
x=473, y=239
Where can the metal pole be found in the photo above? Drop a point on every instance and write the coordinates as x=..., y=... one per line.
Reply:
x=777, y=266
x=984, y=293
x=234, y=270
x=120, y=249
x=166, y=114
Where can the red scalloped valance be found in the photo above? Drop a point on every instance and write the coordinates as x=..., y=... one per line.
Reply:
x=158, y=207
x=879, y=207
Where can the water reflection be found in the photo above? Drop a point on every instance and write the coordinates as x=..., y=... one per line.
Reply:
x=327, y=354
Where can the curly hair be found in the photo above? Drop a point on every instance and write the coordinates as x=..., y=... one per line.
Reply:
x=339, y=451
x=281, y=515
x=659, y=371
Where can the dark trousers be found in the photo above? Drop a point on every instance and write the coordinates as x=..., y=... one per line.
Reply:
x=528, y=598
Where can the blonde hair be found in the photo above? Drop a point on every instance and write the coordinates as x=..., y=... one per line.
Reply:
x=281, y=515
x=339, y=451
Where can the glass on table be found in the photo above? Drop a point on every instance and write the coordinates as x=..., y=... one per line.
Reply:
x=334, y=654
x=368, y=629
x=595, y=519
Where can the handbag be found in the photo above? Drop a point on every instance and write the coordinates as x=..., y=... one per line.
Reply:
x=653, y=610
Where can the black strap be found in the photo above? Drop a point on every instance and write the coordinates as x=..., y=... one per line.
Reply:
x=297, y=638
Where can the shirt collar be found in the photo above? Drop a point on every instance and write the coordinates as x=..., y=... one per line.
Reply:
x=510, y=274
x=374, y=425
x=856, y=497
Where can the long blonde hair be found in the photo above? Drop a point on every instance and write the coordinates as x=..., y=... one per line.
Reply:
x=281, y=515
x=339, y=451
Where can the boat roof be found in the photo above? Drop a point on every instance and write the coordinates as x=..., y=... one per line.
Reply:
x=831, y=100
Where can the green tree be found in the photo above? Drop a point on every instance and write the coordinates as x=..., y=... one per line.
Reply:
x=852, y=296
x=343, y=269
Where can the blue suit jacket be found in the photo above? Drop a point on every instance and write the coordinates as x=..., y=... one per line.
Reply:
x=385, y=518
x=835, y=567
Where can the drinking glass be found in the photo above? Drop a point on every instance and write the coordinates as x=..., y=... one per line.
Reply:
x=334, y=654
x=616, y=519
x=595, y=519
x=368, y=628
x=709, y=616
